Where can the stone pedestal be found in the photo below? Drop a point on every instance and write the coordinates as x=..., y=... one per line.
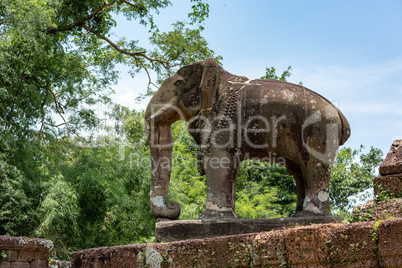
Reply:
x=168, y=231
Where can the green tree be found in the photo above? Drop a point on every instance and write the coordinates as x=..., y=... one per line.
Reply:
x=57, y=57
x=57, y=61
x=264, y=190
x=99, y=193
x=352, y=173
x=187, y=185
x=270, y=73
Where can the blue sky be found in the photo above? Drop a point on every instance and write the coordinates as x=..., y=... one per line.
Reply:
x=348, y=51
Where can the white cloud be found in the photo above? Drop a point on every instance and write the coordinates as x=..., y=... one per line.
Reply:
x=361, y=91
x=128, y=89
x=362, y=81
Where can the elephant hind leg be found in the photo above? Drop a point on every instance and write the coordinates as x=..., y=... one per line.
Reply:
x=316, y=175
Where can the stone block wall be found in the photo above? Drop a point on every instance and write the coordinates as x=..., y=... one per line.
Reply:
x=23, y=252
x=390, y=170
x=363, y=244
x=59, y=264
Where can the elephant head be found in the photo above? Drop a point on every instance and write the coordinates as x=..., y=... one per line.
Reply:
x=180, y=97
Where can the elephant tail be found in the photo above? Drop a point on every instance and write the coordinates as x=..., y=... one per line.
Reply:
x=346, y=131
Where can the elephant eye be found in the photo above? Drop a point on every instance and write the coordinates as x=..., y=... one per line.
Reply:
x=179, y=82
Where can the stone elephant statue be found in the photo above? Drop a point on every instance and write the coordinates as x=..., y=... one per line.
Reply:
x=233, y=118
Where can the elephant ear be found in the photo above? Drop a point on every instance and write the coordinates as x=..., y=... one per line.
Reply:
x=209, y=83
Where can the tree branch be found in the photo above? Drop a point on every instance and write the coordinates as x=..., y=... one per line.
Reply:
x=142, y=8
x=81, y=21
x=5, y=22
x=148, y=74
x=128, y=3
x=132, y=54
x=59, y=106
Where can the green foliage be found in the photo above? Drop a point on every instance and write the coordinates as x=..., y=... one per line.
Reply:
x=60, y=212
x=352, y=173
x=179, y=47
x=45, y=73
x=18, y=196
x=200, y=12
x=56, y=57
x=187, y=185
x=100, y=196
x=385, y=194
x=63, y=175
x=16, y=216
x=270, y=73
x=264, y=190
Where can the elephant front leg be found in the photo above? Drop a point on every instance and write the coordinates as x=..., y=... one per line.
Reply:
x=221, y=170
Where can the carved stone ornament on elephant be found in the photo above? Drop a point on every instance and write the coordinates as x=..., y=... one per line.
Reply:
x=232, y=119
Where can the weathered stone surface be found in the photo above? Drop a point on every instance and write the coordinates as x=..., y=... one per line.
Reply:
x=25, y=244
x=232, y=119
x=306, y=246
x=393, y=162
x=59, y=264
x=119, y=256
x=391, y=185
x=326, y=245
x=25, y=255
x=270, y=249
x=39, y=264
x=19, y=264
x=25, y=252
x=168, y=231
x=389, y=234
x=380, y=210
x=11, y=255
x=5, y=264
x=219, y=252
x=352, y=245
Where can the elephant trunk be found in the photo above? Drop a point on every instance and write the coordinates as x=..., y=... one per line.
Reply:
x=161, y=145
